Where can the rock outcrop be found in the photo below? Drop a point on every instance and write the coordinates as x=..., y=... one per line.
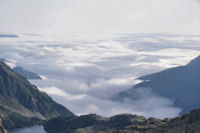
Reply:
x=188, y=123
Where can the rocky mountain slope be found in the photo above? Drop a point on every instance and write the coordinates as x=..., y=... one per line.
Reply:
x=13, y=119
x=181, y=84
x=27, y=74
x=21, y=102
x=188, y=123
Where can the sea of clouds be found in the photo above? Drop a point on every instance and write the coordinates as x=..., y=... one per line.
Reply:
x=83, y=72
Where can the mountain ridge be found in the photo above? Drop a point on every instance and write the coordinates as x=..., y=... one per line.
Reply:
x=124, y=123
x=181, y=84
x=27, y=74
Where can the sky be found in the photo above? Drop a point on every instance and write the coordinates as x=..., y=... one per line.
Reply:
x=99, y=16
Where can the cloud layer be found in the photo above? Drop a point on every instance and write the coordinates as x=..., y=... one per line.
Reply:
x=83, y=73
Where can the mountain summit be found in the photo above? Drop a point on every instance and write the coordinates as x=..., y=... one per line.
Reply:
x=27, y=74
x=181, y=84
x=195, y=63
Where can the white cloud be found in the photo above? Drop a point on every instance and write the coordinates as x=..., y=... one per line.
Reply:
x=59, y=92
x=54, y=91
x=43, y=77
x=83, y=74
x=11, y=63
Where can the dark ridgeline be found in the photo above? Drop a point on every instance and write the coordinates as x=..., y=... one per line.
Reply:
x=21, y=71
x=188, y=123
x=22, y=104
x=181, y=84
x=27, y=74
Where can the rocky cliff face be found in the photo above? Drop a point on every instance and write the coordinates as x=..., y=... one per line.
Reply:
x=188, y=123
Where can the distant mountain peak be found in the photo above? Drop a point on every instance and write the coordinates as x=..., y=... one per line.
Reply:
x=195, y=62
x=20, y=70
x=181, y=84
x=27, y=74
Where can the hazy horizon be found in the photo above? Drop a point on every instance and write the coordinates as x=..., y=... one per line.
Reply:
x=100, y=16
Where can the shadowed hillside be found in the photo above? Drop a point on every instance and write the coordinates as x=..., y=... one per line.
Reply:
x=188, y=123
x=181, y=84
x=20, y=101
x=27, y=74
